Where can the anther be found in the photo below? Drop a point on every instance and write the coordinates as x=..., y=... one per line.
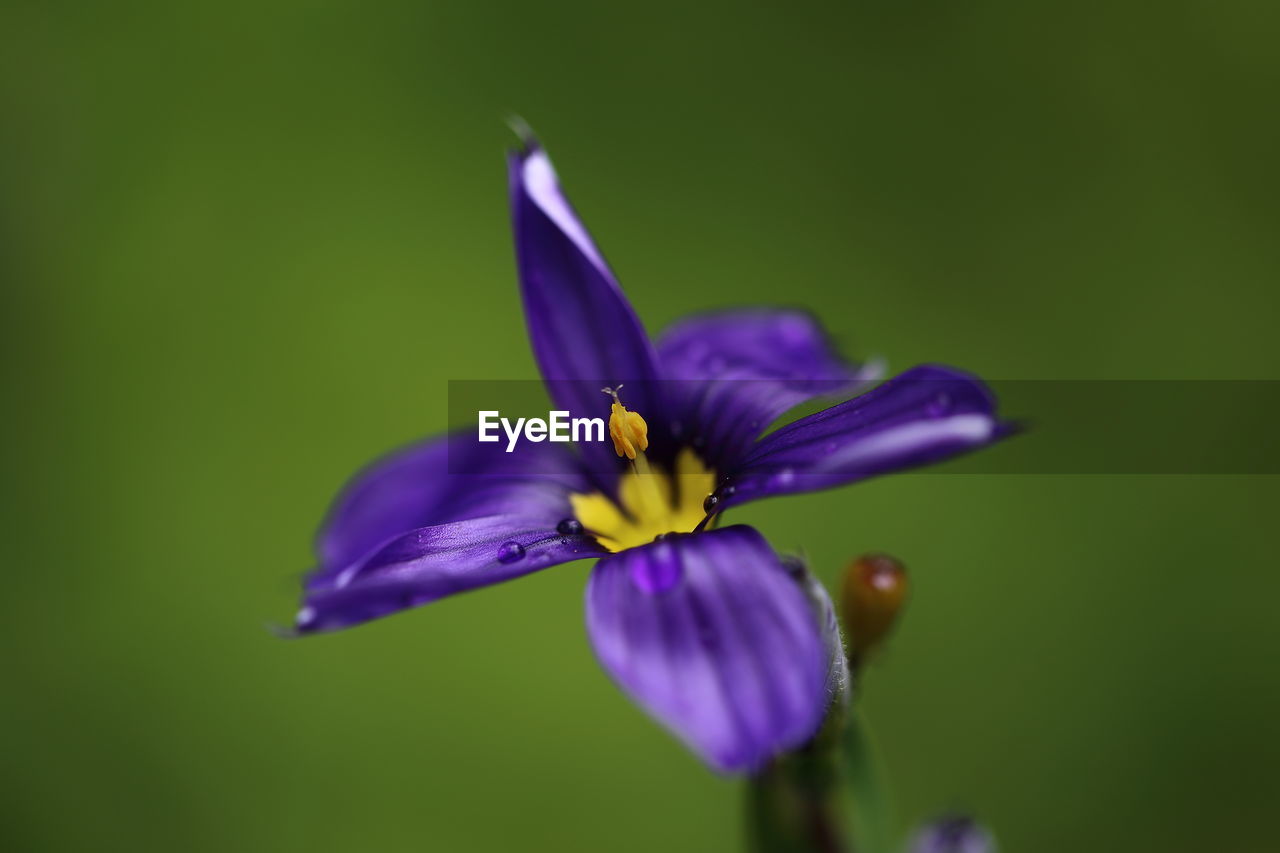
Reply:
x=628, y=430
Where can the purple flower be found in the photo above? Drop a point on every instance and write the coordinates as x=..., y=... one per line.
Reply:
x=704, y=628
x=955, y=834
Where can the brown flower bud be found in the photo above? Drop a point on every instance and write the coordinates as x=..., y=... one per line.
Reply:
x=872, y=593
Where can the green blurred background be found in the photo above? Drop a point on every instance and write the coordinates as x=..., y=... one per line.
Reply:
x=244, y=247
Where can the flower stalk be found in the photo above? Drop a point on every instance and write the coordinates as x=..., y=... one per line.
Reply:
x=794, y=805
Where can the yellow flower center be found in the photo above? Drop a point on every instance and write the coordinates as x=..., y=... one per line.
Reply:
x=650, y=502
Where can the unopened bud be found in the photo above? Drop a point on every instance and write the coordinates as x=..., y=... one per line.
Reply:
x=957, y=834
x=874, y=589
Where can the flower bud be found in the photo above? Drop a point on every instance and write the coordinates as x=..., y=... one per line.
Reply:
x=874, y=588
x=955, y=834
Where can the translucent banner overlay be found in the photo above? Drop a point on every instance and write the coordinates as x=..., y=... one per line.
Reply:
x=1196, y=427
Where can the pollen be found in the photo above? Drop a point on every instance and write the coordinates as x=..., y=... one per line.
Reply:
x=628, y=430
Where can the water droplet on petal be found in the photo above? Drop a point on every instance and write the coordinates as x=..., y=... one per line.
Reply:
x=509, y=552
x=939, y=405
x=710, y=503
x=569, y=527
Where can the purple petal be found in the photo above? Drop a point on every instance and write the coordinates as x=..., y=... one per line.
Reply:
x=924, y=415
x=711, y=635
x=734, y=372
x=444, y=479
x=582, y=329
x=432, y=562
x=956, y=834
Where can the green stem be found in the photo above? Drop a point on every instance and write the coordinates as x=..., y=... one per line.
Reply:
x=867, y=804
x=794, y=804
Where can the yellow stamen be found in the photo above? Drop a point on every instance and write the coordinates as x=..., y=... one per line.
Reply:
x=628, y=430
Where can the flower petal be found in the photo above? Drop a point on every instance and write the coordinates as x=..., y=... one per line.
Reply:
x=732, y=373
x=953, y=834
x=711, y=635
x=444, y=479
x=583, y=331
x=924, y=415
x=423, y=565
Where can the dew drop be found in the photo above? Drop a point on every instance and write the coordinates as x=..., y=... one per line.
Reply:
x=939, y=405
x=710, y=503
x=509, y=552
x=569, y=527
